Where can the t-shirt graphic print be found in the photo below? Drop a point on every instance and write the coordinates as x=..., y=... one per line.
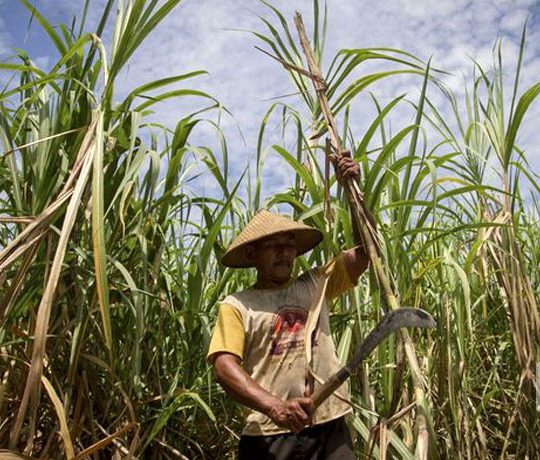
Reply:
x=288, y=330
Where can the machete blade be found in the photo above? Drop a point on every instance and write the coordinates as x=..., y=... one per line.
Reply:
x=396, y=319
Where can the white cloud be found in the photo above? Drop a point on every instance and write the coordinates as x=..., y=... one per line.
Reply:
x=513, y=21
x=4, y=41
x=5, y=50
x=195, y=36
x=431, y=8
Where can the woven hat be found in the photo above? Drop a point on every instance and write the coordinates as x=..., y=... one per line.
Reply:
x=266, y=224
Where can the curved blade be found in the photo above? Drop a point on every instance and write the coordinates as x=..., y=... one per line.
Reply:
x=396, y=319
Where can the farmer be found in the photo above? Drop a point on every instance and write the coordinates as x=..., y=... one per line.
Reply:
x=258, y=347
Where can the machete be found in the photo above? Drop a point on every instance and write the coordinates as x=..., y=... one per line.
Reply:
x=396, y=319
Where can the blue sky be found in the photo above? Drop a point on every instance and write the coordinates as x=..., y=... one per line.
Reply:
x=198, y=35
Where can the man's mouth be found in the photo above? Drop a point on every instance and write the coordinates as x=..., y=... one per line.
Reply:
x=282, y=263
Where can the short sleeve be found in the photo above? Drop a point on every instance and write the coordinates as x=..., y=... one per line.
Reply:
x=228, y=335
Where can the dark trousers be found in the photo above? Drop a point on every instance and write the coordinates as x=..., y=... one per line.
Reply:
x=327, y=441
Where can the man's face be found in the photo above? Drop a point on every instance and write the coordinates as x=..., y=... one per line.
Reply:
x=274, y=257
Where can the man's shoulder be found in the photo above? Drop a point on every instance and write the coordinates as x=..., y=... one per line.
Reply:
x=238, y=299
x=308, y=276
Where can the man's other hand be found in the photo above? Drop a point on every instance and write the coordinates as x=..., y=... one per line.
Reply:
x=293, y=414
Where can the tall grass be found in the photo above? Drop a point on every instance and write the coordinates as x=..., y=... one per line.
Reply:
x=92, y=197
x=109, y=258
x=450, y=241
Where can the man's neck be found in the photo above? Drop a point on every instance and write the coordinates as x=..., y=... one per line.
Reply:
x=266, y=283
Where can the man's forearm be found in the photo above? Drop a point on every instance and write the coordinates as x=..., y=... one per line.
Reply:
x=293, y=414
x=237, y=382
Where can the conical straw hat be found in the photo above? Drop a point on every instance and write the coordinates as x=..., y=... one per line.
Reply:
x=266, y=224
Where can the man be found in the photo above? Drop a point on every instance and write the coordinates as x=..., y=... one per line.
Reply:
x=258, y=347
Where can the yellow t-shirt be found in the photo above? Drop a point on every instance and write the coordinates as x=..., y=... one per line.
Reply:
x=265, y=328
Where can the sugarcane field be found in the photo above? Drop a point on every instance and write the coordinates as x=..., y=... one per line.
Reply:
x=261, y=229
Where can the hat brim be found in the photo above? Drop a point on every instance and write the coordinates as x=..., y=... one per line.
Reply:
x=305, y=240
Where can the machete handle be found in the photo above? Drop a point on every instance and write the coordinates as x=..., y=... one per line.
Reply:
x=331, y=385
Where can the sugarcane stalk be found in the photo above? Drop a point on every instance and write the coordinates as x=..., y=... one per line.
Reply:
x=352, y=188
x=362, y=217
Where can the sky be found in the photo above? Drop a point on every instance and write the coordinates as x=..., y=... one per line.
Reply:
x=211, y=35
